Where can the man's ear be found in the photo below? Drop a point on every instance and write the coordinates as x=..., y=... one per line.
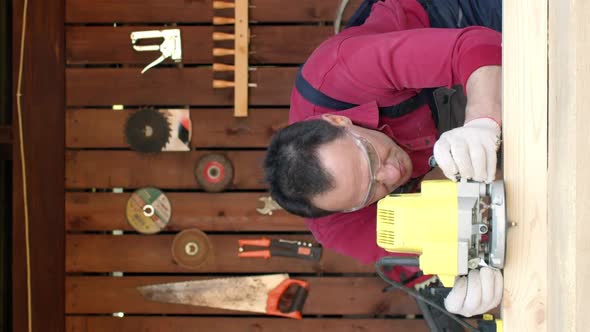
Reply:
x=337, y=120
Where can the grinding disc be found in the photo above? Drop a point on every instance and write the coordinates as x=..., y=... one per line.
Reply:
x=214, y=172
x=190, y=248
x=148, y=210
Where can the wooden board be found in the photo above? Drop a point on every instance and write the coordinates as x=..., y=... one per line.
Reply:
x=129, y=169
x=269, y=44
x=525, y=164
x=139, y=253
x=568, y=249
x=42, y=105
x=188, y=324
x=107, y=11
x=103, y=128
x=171, y=86
x=207, y=212
x=241, y=53
x=327, y=296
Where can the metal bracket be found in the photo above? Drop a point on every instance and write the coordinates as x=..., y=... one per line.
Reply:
x=171, y=47
x=269, y=206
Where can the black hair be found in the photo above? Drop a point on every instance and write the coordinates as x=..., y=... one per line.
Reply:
x=292, y=167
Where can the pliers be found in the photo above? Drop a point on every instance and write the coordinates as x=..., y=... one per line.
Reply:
x=279, y=247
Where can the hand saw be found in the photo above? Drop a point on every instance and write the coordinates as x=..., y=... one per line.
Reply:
x=273, y=294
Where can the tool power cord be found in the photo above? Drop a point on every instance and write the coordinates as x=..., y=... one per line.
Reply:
x=408, y=261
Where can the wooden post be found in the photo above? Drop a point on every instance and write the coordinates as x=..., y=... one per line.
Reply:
x=43, y=105
x=525, y=164
x=569, y=167
x=241, y=59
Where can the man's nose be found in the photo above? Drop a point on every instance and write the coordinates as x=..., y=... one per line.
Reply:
x=388, y=174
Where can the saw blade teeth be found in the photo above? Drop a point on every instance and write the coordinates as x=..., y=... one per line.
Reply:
x=148, y=130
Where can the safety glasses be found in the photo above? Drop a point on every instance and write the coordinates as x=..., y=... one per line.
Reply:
x=374, y=165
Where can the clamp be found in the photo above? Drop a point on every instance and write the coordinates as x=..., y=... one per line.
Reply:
x=279, y=247
x=269, y=206
x=171, y=47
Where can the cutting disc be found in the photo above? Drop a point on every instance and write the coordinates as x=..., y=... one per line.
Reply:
x=190, y=248
x=148, y=210
x=214, y=172
x=147, y=130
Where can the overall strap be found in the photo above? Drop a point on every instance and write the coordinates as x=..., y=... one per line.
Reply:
x=318, y=98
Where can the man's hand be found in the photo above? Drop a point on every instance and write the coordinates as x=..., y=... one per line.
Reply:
x=478, y=293
x=469, y=152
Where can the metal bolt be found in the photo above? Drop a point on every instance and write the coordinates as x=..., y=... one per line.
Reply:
x=483, y=229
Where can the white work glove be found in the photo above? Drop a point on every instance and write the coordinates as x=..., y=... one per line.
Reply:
x=478, y=293
x=469, y=152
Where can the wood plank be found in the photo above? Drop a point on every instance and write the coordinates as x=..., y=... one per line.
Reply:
x=129, y=169
x=42, y=105
x=137, y=253
x=108, y=11
x=212, y=128
x=525, y=164
x=6, y=134
x=270, y=44
x=171, y=86
x=241, y=54
x=210, y=324
x=327, y=296
x=6, y=152
x=569, y=167
x=207, y=212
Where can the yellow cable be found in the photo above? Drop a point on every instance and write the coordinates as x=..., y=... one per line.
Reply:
x=23, y=166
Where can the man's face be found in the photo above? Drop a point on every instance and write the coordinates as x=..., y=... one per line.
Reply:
x=347, y=160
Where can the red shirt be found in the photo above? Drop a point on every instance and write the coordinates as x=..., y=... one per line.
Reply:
x=382, y=63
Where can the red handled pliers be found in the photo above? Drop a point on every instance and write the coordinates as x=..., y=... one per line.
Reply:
x=279, y=247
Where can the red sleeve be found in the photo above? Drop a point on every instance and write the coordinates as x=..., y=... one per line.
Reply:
x=419, y=58
x=350, y=234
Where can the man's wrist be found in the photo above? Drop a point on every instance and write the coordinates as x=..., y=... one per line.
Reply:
x=484, y=95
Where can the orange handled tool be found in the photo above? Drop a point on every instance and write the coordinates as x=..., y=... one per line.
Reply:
x=279, y=247
x=273, y=304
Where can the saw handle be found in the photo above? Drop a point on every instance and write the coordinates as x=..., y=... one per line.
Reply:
x=275, y=295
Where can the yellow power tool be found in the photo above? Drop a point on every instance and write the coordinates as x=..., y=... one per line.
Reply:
x=452, y=226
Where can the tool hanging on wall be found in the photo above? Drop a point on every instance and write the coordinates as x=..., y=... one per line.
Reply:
x=273, y=294
x=241, y=38
x=150, y=130
x=270, y=205
x=148, y=210
x=191, y=248
x=279, y=247
x=171, y=46
x=214, y=172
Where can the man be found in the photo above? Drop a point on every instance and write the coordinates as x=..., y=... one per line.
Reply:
x=332, y=166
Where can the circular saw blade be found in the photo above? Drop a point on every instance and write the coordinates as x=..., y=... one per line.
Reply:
x=214, y=172
x=190, y=248
x=147, y=130
x=148, y=210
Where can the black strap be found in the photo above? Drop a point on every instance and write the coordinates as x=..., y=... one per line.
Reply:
x=318, y=98
x=361, y=13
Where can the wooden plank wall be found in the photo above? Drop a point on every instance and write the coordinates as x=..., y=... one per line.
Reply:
x=103, y=70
